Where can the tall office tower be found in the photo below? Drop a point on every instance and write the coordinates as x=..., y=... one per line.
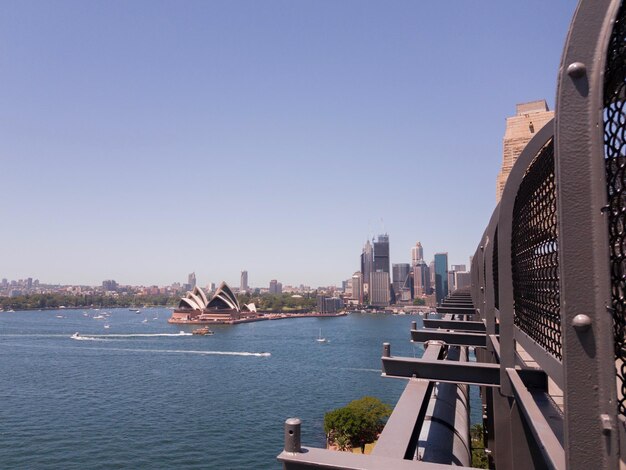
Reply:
x=191, y=281
x=243, y=284
x=367, y=262
x=417, y=254
x=400, y=273
x=528, y=120
x=357, y=287
x=273, y=286
x=380, y=294
x=421, y=280
x=451, y=282
x=441, y=276
x=431, y=275
x=458, y=267
x=381, y=254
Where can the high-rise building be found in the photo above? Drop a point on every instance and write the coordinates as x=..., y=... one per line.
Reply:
x=276, y=287
x=421, y=280
x=243, y=284
x=458, y=267
x=400, y=273
x=441, y=276
x=191, y=281
x=417, y=254
x=109, y=285
x=528, y=120
x=381, y=254
x=367, y=262
x=379, y=291
x=357, y=287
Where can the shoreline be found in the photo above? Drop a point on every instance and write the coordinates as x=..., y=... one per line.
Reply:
x=267, y=317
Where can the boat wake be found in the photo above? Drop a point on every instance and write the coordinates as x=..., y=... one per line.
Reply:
x=184, y=351
x=80, y=337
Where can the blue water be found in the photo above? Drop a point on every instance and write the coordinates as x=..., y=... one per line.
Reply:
x=131, y=396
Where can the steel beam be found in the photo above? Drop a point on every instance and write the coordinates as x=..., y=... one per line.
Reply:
x=399, y=436
x=473, y=373
x=535, y=407
x=312, y=458
x=449, y=337
x=456, y=325
x=463, y=310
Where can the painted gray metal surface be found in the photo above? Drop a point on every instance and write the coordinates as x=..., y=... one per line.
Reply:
x=589, y=380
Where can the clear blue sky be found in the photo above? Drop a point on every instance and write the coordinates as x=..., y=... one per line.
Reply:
x=143, y=140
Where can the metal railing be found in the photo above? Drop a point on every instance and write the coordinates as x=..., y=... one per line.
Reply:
x=547, y=304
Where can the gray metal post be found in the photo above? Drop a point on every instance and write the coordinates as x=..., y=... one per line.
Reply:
x=589, y=362
x=292, y=435
x=414, y=325
x=386, y=350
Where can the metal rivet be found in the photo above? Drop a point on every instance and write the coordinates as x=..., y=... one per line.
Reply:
x=607, y=425
x=576, y=70
x=581, y=322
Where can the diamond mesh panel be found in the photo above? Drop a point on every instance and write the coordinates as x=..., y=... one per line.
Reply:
x=615, y=157
x=494, y=270
x=534, y=254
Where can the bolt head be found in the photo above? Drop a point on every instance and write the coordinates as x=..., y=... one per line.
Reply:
x=581, y=322
x=576, y=70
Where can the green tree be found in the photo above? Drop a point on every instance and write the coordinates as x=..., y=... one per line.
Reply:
x=357, y=423
x=419, y=302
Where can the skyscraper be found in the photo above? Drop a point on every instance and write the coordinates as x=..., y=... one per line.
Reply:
x=421, y=280
x=276, y=287
x=400, y=272
x=441, y=276
x=191, y=281
x=381, y=254
x=528, y=120
x=379, y=289
x=417, y=254
x=243, y=285
x=367, y=261
x=357, y=287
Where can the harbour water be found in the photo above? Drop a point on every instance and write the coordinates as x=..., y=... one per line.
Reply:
x=141, y=394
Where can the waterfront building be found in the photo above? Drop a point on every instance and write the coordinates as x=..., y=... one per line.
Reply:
x=223, y=307
x=243, y=284
x=417, y=254
x=329, y=304
x=379, y=292
x=400, y=272
x=441, y=276
x=357, y=287
x=528, y=120
x=367, y=262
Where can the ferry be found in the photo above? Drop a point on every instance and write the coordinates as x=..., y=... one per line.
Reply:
x=205, y=331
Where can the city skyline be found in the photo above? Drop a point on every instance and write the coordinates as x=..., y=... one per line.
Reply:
x=114, y=135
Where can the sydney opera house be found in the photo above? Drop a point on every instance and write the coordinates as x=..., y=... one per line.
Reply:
x=223, y=307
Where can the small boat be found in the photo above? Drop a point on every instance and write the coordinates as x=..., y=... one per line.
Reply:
x=75, y=335
x=107, y=326
x=204, y=331
x=99, y=317
x=320, y=339
x=59, y=316
x=145, y=320
x=136, y=310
